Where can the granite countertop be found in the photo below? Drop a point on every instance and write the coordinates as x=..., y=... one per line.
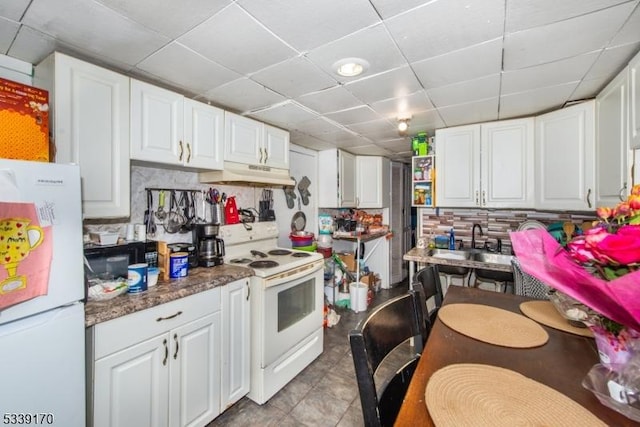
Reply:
x=199, y=280
x=422, y=255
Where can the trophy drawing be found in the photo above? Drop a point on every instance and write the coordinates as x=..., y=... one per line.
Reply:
x=17, y=239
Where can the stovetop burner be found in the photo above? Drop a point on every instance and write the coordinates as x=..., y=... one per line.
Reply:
x=301, y=255
x=240, y=260
x=279, y=252
x=263, y=264
x=258, y=254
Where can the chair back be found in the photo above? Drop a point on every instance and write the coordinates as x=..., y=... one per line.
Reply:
x=527, y=285
x=429, y=278
x=388, y=326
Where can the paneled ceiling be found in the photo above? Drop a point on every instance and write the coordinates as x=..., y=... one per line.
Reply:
x=442, y=62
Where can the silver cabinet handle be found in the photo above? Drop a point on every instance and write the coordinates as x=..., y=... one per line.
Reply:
x=248, y=290
x=622, y=190
x=166, y=352
x=484, y=198
x=589, y=198
x=261, y=155
x=181, y=150
x=477, y=198
x=266, y=155
x=188, y=152
x=160, y=319
x=175, y=339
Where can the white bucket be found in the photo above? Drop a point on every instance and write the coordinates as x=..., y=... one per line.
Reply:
x=358, y=296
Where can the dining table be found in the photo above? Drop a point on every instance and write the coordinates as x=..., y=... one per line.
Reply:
x=561, y=363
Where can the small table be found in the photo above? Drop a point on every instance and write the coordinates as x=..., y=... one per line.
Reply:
x=561, y=363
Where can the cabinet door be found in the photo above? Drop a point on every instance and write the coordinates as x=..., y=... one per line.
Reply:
x=347, y=180
x=91, y=128
x=507, y=165
x=565, y=158
x=157, y=117
x=242, y=139
x=458, y=166
x=611, y=142
x=203, y=135
x=634, y=102
x=195, y=372
x=131, y=386
x=276, y=147
x=373, y=174
x=236, y=342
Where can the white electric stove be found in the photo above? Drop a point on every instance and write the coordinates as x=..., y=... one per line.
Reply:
x=287, y=302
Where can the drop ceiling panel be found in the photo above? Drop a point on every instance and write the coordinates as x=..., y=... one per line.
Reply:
x=545, y=99
x=307, y=24
x=330, y=100
x=588, y=87
x=389, y=8
x=235, y=40
x=523, y=14
x=411, y=104
x=244, y=95
x=391, y=84
x=465, y=64
x=369, y=150
x=630, y=32
x=532, y=47
x=286, y=115
x=294, y=77
x=426, y=120
x=611, y=61
x=8, y=31
x=317, y=126
x=480, y=111
x=465, y=92
x=382, y=129
x=185, y=14
x=94, y=27
x=13, y=9
x=354, y=115
x=550, y=74
x=181, y=65
x=459, y=24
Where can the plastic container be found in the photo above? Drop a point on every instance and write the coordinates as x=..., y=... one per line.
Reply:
x=358, y=293
x=178, y=265
x=137, y=279
x=325, y=224
x=152, y=276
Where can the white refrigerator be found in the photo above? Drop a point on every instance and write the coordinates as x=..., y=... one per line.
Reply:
x=42, y=354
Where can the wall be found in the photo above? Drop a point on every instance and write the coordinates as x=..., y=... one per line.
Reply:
x=495, y=223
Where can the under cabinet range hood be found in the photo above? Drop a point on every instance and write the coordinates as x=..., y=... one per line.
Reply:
x=239, y=173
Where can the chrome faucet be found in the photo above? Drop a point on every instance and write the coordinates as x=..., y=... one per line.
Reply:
x=473, y=235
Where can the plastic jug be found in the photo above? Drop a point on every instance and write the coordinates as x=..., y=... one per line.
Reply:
x=231, y=211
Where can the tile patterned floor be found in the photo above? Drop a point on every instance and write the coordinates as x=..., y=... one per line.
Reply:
x=324, y=394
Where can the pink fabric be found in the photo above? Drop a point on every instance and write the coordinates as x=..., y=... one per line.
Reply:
x=541, y=256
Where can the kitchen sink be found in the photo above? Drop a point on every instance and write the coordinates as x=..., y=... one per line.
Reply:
x=454, y=255
x=493, y=275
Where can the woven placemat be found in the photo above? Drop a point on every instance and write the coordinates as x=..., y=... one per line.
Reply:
x=493, y=325
x=544, y=312
x=482, y=395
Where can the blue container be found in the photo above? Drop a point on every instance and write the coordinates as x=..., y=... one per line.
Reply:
x=178, y=265
x=137, y=278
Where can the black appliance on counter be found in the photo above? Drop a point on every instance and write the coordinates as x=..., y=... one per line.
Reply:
x=189, y=249
x=210, y=248
x=111, y=262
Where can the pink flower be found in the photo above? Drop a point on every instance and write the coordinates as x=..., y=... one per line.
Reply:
x=620, y=248
x=622, y=210
x=604, y=213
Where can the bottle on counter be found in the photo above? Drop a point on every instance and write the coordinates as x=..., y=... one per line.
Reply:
x=452, y=240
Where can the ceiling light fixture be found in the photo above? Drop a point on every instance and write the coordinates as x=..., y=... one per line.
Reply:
x=350, y=67
x=403, y=124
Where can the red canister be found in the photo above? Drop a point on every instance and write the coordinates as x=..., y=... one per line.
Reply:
x=231, y=211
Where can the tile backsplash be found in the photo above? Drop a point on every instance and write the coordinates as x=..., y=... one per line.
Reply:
x=496, y=224
x=143, y=177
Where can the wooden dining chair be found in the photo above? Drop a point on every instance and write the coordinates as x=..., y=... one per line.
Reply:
x=389, y=327
x=429, y=278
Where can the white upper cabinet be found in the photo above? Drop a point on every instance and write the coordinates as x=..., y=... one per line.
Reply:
x=373, y=181
x=167, y=128
x=611, y=143
x=90, y=126
x=337, y=180
x=634, y=102
x=488, y=165
x=565, y=158
x=251, y=142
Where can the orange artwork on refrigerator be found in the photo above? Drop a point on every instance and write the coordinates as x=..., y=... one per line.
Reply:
x=25, y=254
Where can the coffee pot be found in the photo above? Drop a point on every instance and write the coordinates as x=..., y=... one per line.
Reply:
x=210, y=248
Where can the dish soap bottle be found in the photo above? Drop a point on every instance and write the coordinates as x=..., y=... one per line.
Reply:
x=452, y=240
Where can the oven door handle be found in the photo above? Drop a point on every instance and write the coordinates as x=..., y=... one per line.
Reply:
x=294, y=274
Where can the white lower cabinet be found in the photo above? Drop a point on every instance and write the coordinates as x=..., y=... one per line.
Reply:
x=163, y=366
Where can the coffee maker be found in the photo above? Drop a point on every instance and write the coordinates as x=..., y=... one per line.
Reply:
x=209, y=247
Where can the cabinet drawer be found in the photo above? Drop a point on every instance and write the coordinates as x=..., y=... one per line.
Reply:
x=125, y=331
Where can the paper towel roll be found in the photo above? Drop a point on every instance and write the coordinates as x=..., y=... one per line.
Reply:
x=358, y=295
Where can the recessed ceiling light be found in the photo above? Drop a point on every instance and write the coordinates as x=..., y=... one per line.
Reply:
x=351, y=67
